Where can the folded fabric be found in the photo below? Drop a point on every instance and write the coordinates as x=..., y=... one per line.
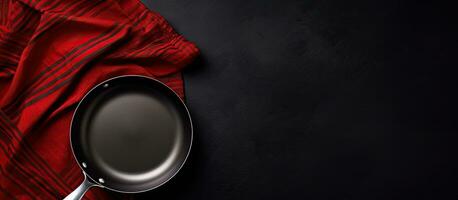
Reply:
x=51, y=53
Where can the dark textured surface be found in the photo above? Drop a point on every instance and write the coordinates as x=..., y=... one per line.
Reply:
x=324, y=99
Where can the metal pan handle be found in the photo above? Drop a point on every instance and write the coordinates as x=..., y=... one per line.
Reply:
x=79, y=192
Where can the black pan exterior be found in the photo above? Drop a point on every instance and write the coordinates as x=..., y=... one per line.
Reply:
x=131, y=134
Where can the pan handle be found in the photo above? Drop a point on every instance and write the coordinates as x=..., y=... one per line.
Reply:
x=79, y=192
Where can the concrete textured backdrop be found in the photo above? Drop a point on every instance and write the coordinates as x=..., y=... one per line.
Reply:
x=318, y=99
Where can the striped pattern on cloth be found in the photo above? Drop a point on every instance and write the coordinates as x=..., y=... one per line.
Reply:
x=51, y=53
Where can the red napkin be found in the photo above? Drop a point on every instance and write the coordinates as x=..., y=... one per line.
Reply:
x=51, y=53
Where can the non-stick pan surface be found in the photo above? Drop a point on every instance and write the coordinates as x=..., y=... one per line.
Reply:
x=131, y=134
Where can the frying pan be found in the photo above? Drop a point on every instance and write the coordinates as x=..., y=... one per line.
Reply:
x=129, y=134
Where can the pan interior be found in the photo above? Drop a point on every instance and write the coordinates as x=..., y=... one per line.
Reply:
x=131, y=135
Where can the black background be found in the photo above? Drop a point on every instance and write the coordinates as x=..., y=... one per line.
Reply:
x=318, y=99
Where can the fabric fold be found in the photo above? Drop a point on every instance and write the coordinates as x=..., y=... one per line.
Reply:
x=51, y=53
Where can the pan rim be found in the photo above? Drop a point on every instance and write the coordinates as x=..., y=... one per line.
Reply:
x=168, y=178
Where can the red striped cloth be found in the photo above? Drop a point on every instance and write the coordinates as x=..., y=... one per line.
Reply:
x=51, y=53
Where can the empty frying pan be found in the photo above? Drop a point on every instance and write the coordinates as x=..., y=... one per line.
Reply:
x=129, y=134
